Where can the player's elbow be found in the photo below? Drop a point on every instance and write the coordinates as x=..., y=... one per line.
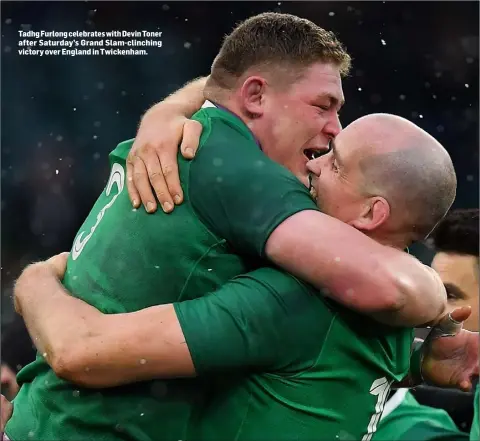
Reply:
x=389, y=292
x=402, y=288
x=71, y=363
x=420, y=283
x=65, y=362
x=386, y=292
x=422, y=297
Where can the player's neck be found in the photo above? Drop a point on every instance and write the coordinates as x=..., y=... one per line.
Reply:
x=397, y=241
x=230, y=106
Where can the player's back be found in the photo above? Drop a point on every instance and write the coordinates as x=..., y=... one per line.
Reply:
x=336, y=371
x=123, y=260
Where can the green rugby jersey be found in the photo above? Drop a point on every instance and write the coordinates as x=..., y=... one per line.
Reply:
x=405, y=419
x=475, y=433
x=124, y=260
x=320, y=371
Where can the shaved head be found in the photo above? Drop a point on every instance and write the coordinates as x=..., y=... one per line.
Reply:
x=409, y=168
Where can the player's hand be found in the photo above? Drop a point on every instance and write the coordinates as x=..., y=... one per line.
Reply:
x=55, y=266
x=6, y=412
x=152, y=161
x=58, y=264
x=451, y=353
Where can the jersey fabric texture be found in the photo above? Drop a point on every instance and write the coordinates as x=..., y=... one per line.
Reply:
x=408, y=420
x=123, y=260
x=321, y=372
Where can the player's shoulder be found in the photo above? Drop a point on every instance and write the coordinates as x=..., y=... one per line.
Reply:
x=122, y=149
x=223, y=132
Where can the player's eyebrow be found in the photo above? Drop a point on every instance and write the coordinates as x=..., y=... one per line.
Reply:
x=455, y=290
x=333, y=100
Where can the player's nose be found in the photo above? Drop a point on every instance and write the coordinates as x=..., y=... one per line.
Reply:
x=333, y=127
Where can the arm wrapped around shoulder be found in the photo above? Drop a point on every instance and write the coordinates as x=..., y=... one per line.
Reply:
x=390, y=285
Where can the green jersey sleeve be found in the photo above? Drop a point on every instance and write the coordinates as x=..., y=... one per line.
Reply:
x=236, y=190
x=254, y=321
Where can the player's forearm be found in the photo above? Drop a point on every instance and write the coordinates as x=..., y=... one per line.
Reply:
x=185, y=101
x=132, y=347
x=53, y=318
x=355, y=270
x=97, y=350
x=424, y=302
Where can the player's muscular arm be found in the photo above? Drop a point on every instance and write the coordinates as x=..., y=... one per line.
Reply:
x=236, y=326
x=97, y=350
x=185, y=101
x=388, y=284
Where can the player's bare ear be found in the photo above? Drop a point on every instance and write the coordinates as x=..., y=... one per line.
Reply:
x=375, y=212
x=252, y=93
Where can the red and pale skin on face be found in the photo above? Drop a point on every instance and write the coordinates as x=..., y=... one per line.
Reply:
x=339, y=183
x=336, y=178
x=292, y=124
x=459, y=273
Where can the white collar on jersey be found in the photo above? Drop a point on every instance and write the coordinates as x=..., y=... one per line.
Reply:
x=208, y=104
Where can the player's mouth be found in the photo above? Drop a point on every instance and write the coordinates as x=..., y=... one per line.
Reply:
x=314, y=153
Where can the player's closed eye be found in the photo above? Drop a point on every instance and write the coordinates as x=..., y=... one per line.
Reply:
x=452, y=297
x=454, y=292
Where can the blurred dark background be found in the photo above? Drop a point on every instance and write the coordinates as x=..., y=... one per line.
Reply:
x=61, y=116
